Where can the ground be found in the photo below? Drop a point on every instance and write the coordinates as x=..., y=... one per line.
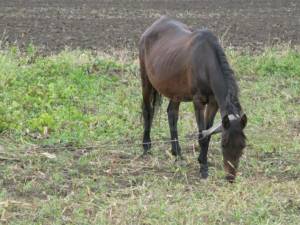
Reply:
x=106, y=25
x=70, y=120
x=70, y=145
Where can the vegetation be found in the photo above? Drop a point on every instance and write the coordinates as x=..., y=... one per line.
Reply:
x=71, y=127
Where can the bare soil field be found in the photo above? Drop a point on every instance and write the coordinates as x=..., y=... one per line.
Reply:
x=108, y=25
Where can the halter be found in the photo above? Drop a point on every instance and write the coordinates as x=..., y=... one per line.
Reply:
x=218, y=128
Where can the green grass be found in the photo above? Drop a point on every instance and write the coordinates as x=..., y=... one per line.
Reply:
x=57, y=112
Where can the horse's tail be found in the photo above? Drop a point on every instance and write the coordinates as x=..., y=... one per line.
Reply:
x=156, y=100
x=153, y=95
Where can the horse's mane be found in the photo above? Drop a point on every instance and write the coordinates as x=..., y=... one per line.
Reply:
x=232, y=101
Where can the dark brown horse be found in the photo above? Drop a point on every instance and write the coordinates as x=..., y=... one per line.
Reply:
x=186, y=65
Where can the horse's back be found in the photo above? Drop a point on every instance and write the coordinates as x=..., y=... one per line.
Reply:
x=163, y=34
x=167, y=38
x=164, y=26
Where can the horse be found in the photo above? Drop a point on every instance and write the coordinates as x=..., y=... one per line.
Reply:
x=188, y=65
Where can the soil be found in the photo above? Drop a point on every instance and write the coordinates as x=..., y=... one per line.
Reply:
x=108, y=25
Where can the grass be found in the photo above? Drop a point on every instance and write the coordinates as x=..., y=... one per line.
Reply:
x=57, y=112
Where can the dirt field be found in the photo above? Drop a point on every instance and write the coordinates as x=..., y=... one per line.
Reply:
x=104, y=25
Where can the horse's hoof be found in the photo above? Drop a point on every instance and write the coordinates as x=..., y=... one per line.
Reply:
x=175, y=153
x=204, y=175
x=230, y=178
x=146, y=154
x=180, y=161
x=179, y=157
x=146, y=147
x=204, y=171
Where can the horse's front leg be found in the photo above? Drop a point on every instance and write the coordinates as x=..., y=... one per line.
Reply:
x=209, y=116
x=199, y=113
x=173, y=109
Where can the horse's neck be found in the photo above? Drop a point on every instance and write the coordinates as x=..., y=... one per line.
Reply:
x=225, y=92
x=228, y=104
x=233, y=105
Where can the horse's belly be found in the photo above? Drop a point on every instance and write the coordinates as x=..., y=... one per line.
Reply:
x=174, y=89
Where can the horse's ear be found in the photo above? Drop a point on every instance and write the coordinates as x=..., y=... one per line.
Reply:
x=244, y=121
x=226, y=122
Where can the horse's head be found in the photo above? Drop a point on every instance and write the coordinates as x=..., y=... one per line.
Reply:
x=233, y=142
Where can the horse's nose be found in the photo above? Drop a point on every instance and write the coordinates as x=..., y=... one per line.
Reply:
x=230, y=168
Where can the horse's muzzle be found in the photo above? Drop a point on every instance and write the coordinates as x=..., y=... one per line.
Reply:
x=230, y=168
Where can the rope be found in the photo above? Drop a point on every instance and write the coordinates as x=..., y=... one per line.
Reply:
x=136, y=143
x=122, y=144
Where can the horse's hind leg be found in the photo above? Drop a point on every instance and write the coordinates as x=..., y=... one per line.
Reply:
x=148, y=118
x=173, y=109
x=147, y=108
